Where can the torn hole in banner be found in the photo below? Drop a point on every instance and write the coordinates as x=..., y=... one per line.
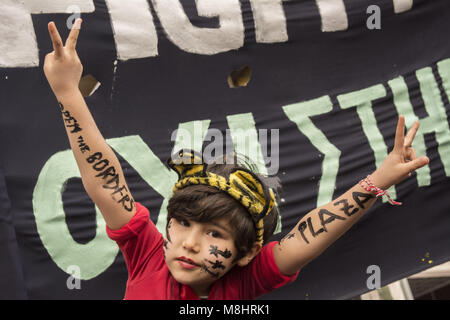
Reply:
x=88, y=85
x=239, y=78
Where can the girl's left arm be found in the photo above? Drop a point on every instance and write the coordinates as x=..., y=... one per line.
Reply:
x=317, y=230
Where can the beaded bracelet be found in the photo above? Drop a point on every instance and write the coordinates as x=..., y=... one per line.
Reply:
x=378, y=192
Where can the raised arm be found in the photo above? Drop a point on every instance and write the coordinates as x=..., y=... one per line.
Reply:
x=99, y=167
x=324, y=225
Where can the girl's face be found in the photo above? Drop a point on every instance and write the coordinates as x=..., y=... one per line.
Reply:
x=197, y=254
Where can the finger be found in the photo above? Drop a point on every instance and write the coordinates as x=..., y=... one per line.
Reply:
x=417, y=163
x=410, y=154
x=71, y=41
x=411, y=134
x=413, y=155
x=399, y=134
x=56, y=39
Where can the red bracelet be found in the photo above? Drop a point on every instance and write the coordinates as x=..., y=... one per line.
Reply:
x=378, y=192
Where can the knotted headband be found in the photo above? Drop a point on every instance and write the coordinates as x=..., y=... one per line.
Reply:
x=242, y=184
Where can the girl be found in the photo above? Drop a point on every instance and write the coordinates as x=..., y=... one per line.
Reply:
x=220, y=216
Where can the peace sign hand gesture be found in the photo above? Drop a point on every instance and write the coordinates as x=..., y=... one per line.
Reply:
x=402, y=160
x=62, y=67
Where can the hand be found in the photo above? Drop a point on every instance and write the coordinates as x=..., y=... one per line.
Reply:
x=62, y=67
x=402, y=160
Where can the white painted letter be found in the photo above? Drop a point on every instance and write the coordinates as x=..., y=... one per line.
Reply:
x=270, y=21
x=18, y=45
x=229, y=36
x=402, y=5
x=134, y=31
x=333, y=15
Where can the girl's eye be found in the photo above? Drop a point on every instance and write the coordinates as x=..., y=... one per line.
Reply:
x=184, y=223
x=215, y=234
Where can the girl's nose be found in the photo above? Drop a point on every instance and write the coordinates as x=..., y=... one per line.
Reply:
x=191, y=243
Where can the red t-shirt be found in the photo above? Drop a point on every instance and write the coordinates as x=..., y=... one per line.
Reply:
x=149, y=278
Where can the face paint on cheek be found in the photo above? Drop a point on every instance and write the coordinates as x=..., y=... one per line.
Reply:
x=216, y=265
x=167, y=243
x=214, y=250
x=214, y=274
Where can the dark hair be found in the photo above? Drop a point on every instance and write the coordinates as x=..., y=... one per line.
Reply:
x=201, y=203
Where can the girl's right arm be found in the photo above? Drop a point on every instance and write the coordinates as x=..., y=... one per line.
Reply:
x=99, y=167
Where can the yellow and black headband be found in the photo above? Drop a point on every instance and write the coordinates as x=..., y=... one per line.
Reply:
x=243, y=185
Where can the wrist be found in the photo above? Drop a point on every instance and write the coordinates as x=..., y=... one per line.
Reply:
x=378, y=180
x=67, y=94
x=368, y=185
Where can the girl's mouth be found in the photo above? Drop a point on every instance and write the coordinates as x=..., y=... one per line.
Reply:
x=187, y=263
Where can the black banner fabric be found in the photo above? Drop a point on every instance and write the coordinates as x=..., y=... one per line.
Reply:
x=11, y=276
x=328, y=81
